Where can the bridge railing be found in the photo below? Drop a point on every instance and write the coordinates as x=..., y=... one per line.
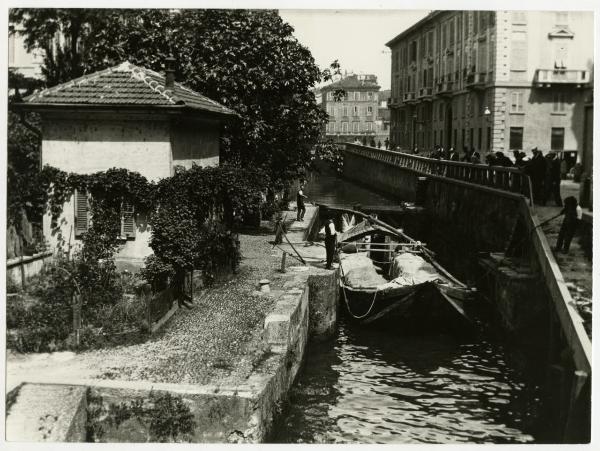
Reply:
x=498, y=177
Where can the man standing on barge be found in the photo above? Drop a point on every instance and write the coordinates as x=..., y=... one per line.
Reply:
x=330, y=239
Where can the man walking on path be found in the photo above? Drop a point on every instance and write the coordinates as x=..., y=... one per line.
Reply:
x=300, y=207
x=573, y=214
x=387, y=143
x=330, y=239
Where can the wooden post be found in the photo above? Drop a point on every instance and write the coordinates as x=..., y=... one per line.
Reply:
x=76, y=317
x=147, y=293
x=22, y=270
x=283, y=261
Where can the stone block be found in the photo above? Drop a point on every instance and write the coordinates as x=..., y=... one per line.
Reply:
x=47, y=413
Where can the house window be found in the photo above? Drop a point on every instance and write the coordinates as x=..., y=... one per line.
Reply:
x=516, y=138
x=345, y=111
x=82, y=213
x=560, y=54
x=344, y=127
x=557, y=138
x=519, y=17
x=370, y=95
x=355, y=127
x=558, y=104
x=355, y=111
x=369, y=110
x=82, y=217
x=516, y=102
x=562, y=18
x=330, y=95
x=369, y=126
x=127, y=221
x=413, y=51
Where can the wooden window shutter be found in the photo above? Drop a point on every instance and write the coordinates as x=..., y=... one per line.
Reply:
x=127, y=221
x=82, y=213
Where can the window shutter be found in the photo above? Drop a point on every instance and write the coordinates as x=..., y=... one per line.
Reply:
x=82, y=219
x=127, y=221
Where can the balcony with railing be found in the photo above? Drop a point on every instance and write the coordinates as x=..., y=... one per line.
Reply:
x=549, y=77
x=476, y=80
x=425, y=93
x=408, y=97
x=444, y=87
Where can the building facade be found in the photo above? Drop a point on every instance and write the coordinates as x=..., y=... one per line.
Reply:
x=492, y=80
x=354, y=116
x=124, y=117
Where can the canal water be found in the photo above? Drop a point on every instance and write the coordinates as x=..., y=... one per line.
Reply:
x=375, y=386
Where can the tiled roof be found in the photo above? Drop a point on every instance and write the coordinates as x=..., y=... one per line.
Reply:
x=353, y=81
x=122, y=85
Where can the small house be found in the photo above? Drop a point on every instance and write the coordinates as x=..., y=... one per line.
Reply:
x=125, y=117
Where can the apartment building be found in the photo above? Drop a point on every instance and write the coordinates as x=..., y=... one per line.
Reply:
x=492, y=80
x=354, y=116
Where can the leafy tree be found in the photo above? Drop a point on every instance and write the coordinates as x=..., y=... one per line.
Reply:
x=247, y=60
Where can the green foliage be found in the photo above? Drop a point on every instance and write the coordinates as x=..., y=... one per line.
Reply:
x=195, y=212
x=166, y=416
x=248, y=60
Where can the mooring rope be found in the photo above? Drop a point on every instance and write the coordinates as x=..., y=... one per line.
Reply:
x=346, y=297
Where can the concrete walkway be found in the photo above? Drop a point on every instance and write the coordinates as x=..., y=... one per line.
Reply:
x=575, y=266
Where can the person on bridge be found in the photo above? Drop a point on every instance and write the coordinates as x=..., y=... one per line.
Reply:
x=300, y=207
x=453, y=155
x=330, y=240
x=386, y=143
x=552, y=180
x=573, y=214
x=536, y=169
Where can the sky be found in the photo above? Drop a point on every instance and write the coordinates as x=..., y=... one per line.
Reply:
x=356, y=38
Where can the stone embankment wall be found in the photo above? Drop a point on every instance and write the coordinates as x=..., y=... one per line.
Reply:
x=529, y=296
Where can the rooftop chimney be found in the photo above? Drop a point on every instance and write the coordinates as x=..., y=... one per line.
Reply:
x=169, y=72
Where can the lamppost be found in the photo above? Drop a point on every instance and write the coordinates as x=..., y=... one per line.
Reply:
x=488, y=115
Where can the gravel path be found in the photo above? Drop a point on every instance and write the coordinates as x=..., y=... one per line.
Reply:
x=218, y=341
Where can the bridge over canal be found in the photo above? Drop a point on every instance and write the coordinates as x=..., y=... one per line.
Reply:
x=475, y=209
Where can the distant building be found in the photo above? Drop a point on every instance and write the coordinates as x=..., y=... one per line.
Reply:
x=125, y=117
x=354, y=116
x=382, y=125
x=26, y=63
x=492, y=80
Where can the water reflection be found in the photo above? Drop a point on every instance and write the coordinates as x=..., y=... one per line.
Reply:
x=371, y=387
x=375, y=386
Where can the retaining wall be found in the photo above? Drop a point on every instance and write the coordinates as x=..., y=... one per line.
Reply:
x=466, y=218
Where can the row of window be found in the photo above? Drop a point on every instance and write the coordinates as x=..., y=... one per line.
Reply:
x=557, y=138
x=428, y=138
x=355, y=110
x=345, y=127
x=355, y=95
x=443, y=35
x=559, y=101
